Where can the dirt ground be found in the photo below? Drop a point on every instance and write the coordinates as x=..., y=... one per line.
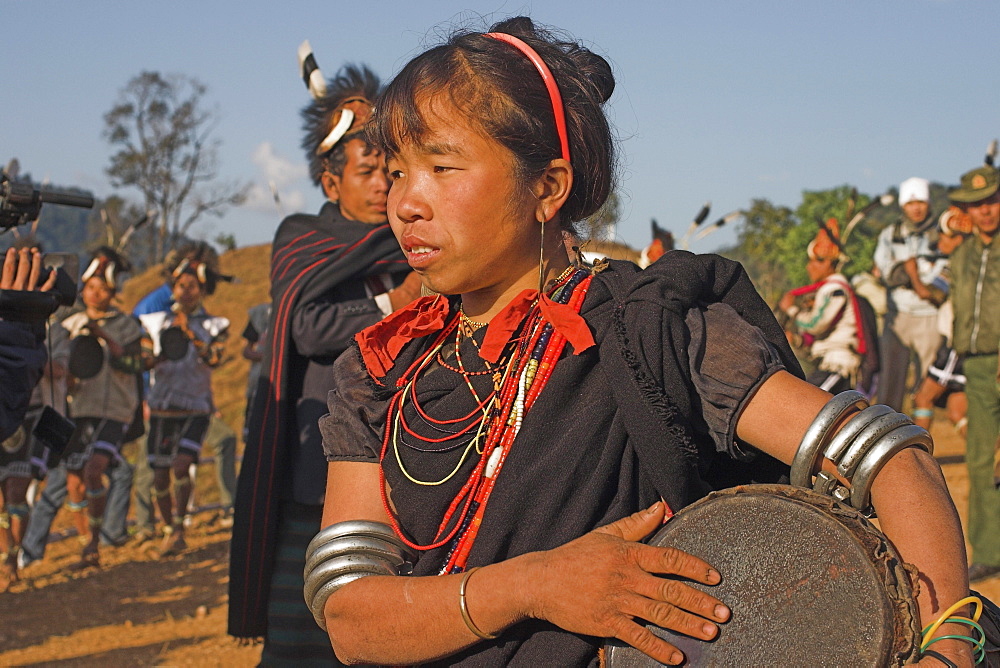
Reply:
x=136, y=610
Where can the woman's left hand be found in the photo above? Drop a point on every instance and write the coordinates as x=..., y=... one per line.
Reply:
x=602, y=583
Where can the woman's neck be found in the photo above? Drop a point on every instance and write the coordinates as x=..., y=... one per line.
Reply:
x=483, y=305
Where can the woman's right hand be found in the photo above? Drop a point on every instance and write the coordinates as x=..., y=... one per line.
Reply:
x=600, y=583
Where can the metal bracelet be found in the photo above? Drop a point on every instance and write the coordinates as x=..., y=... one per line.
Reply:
x=842, y=440
x=354, y=545
x=816, y=436
x=867, y=438
x=840, y=444
x=859, y=449
x=347, y=551
x=900, y=438
x=355, y=528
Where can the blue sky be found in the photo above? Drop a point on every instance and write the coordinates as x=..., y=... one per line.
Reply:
x=720, y=101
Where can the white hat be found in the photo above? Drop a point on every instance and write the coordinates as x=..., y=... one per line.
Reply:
x=914, y=189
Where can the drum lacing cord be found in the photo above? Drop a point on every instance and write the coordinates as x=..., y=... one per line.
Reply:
x=979, y=644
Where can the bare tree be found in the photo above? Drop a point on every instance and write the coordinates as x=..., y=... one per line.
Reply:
x=165, y=149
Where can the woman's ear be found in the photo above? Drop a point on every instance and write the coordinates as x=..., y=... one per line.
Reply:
x=552, y=189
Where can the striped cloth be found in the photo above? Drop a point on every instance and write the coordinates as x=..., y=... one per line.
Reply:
x=293, y=638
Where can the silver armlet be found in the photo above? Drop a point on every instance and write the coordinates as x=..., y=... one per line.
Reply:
x=872, y=436
x=347, y=551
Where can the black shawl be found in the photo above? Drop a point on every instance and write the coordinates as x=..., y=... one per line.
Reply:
x=310, y=255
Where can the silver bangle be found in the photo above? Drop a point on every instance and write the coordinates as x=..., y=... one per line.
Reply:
x=345, y=552
x=859, y=449
x=818, y=433
x=842, y=440
x=867, y=437
x=904, y=437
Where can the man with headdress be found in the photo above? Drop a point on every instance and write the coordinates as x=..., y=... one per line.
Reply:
x=184, y=344
x=332, y=275
x=975, y=295
x=105, y=394
x=910, y=328
x=822, y=317
x=220, y=439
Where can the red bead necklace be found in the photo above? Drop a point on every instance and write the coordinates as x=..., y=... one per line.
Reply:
x=527, y=371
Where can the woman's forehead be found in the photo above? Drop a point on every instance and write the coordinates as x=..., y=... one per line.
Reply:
x=433, y=121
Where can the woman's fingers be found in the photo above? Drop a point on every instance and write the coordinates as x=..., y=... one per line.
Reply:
x=671, y=561
x=638, y=525
x=647, y=642
x=682, y=596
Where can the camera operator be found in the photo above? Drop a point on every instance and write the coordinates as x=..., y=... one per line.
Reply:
x=22, y=350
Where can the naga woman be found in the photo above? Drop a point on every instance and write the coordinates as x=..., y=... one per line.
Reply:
x=515, y=435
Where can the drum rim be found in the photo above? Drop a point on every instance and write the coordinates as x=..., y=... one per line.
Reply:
x=897, y=576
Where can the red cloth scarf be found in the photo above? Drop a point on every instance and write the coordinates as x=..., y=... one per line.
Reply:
x=382, y=342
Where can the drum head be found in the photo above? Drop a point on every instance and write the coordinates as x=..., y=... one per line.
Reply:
x=809, y=582
x=174, y=343
x=86, y=356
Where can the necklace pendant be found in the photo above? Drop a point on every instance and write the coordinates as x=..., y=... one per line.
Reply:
x=491, y=465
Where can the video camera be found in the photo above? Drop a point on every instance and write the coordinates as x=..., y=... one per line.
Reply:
x=21, y=203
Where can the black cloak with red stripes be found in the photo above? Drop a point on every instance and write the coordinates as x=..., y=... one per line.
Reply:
x=310, y=256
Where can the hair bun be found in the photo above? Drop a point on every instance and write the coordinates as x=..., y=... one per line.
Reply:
x=519, y=26
x=599, y=71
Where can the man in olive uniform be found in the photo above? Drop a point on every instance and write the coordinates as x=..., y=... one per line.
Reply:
x=975, y=268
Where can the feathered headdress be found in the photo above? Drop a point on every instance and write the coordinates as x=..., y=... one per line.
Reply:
x=206, y=276
x=107, y=264
x=826, y=245
x=340, y=107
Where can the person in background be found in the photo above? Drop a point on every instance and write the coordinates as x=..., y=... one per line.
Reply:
x=910, y=325
x=22, y=346
x=821, y=316
x=22, y=456
x=332, y=275
x=102, y=404
x=184, y=344
x=944, y=384
x=255, y=335
x=35, y=457
x=975, y=295
x=220, y=440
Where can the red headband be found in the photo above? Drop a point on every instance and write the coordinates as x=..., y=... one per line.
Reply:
x=550, y=84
